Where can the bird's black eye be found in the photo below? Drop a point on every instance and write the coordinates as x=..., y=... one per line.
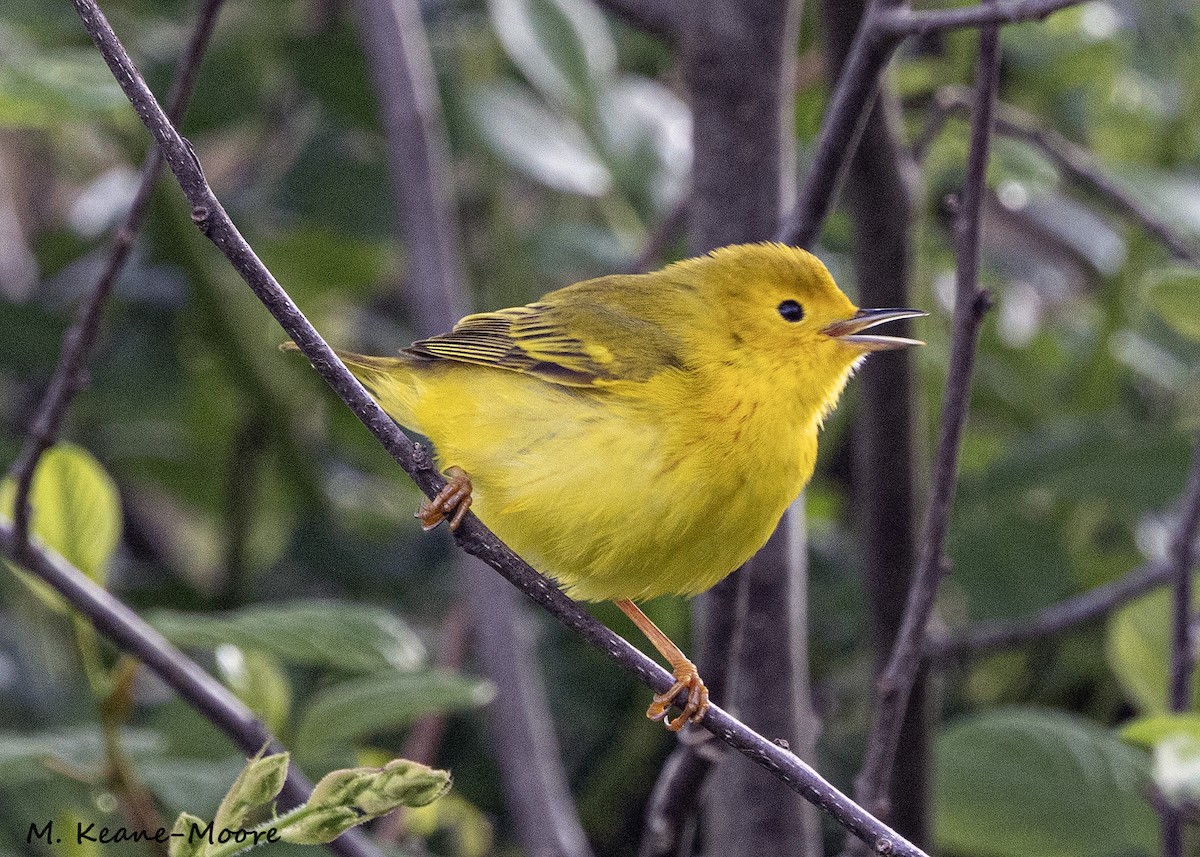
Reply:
x=791, y=311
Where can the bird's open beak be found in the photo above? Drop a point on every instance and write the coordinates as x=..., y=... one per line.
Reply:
x=848, y=330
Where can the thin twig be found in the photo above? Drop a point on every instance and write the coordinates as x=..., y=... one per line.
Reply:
x=1183, y=632
x=1058, y=618
x=886, y=25
x=906, y=22
x=848, y=110
x=123, y=627
x=69, y=375
x=1183, y=559
x=211, y=218
x=1076, y=163
x=671, y=811
x=873, y=782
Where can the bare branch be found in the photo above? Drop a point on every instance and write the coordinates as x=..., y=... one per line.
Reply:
x=894, y=687
x=656, y=17
x=126, y=629
x=1183, y=560
x=1075, y=162
x=211, y=218
x=906, y=22
x=1091, y=605
x=1183, y=631
x=671, y=813
x=69, y=375
x=887, y=23
x=849, y=107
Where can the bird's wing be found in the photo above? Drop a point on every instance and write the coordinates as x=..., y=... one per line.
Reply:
x=585, y=335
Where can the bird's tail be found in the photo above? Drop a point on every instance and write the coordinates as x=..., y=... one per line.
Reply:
x=389, y=379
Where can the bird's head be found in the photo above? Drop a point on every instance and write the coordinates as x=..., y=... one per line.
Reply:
x=776, y=308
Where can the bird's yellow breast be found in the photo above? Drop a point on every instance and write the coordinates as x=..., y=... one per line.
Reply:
x=630, y=491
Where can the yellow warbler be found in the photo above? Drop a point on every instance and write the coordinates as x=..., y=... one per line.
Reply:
x=637, y=435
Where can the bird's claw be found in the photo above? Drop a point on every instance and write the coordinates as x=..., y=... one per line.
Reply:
x=454, y=498
x=686, y=678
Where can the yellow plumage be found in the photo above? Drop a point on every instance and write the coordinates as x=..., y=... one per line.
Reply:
x=634, y=436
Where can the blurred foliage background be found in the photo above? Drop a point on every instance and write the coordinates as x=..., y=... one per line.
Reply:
x=255, y=523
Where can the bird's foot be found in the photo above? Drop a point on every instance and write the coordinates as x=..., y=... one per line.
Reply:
x=686, y=678
x=453, y=502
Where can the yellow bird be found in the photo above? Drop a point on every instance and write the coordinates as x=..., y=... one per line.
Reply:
x=637, y=435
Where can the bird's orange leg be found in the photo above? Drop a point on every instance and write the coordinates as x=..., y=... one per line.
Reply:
x=455, y=497
x=686, y=676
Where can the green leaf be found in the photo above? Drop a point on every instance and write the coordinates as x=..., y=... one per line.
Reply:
x=563, y=47
x=258, y=784
x=347, y=637
x=23, y=757
x=195, y=784
x=354, y=709
x=375, y=791
x=186, y=844
x=1027, y=783
x=76, y=509
x=1130, y=465
x=1174, y=293
x=319, y=827
x=310, y=260
x=39, y=88
x=1151, y=729
x=647, y=138
x=1138, y=646
x=550, y=149
x=259, y=680
x=343, y=799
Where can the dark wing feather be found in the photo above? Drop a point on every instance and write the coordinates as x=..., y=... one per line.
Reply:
x=585, y=335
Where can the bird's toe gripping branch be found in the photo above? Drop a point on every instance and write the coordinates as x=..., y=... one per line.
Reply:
x=686, y=678
x=453, y=502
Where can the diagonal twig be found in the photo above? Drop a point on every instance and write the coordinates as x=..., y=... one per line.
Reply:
x=69, y=374
x=886, y=24
x=1058, y=618
x=907, y=22
x=895, y=685
x=1183, y=633
x=126, y=629
x=1074, y=161
x=214, y=222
